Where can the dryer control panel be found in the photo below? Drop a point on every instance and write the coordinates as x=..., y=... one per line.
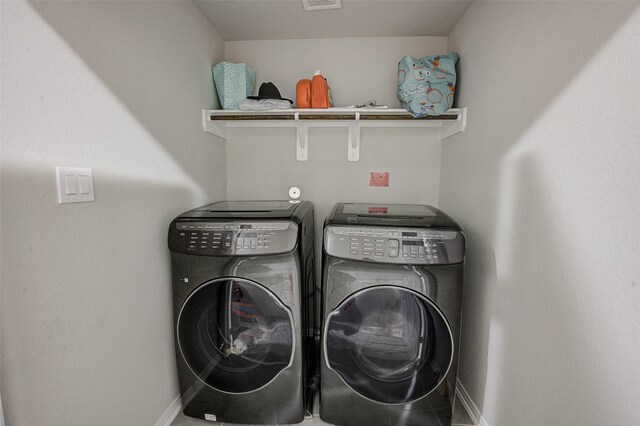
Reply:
x=233, y=238
x=395, y=245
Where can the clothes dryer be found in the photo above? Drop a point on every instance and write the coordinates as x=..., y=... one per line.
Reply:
x=392, y=294
x=243, y=288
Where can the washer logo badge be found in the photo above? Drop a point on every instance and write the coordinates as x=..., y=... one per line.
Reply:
x=210, y=417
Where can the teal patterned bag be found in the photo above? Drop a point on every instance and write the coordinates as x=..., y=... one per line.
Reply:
x=426, y=85
x=234, y=82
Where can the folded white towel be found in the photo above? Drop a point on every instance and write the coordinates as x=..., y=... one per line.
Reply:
x=263, y=104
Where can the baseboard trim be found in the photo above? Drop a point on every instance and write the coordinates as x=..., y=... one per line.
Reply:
x=469, y=405
x=170, y=413
x=463, y=396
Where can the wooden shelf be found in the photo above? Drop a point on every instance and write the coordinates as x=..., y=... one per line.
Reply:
x=218, y=122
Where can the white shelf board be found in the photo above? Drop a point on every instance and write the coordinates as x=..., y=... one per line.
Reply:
x=218, y=122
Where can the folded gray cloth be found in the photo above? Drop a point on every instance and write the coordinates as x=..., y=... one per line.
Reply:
x=263, y=104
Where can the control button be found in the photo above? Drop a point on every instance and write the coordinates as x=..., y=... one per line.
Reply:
x=421, y=256
x=367, y=245
x=354, y=239
x=353, y=251
x=413, y=255
x=393, y=252
x=253, y=247
x=229, y=227
x=366, y=253
x=378, y=240
x=390, y=233
x=393, y=243
x=366, y=240
x=227, y=245
x=405, y=255
x=379, y=254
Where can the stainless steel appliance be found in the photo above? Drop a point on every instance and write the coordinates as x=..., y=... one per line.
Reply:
x=243, y=289
x=392, y=293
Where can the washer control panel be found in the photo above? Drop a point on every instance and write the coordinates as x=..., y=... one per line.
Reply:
x=395, y=245
x=234, y=238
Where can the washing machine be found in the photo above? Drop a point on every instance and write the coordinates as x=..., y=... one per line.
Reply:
x=243, y=299
x=392, y=294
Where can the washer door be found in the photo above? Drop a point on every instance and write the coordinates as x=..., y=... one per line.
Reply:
x=235, y=335
x=389, y=344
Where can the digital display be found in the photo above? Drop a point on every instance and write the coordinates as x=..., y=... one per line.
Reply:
x=412, y=243
x=388, y=209
x=249, y=235
x=245, y=226
x=409, y=234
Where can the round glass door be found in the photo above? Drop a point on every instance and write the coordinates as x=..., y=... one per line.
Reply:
x=389, y=344
x=235, y=335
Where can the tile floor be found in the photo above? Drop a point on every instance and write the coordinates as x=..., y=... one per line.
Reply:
x=460, y=418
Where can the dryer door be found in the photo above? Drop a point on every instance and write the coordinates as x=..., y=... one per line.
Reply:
x=235, y=335
x=389, y=344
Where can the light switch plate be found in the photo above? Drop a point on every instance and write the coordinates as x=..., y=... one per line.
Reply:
x=75, y=184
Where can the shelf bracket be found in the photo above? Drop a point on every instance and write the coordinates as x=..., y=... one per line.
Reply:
x=353, y=149
x=218, y=129
x=450, y=128
x=302, y=141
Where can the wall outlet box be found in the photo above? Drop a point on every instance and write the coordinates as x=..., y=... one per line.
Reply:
x=75, y=184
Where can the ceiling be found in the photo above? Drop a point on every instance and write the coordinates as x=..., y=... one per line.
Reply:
x=287, y=19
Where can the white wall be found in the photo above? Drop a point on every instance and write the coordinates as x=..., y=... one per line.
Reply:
x=545, y=181
x=261, y=163
x=86, y=299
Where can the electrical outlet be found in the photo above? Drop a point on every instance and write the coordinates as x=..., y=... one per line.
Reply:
x=75, y=185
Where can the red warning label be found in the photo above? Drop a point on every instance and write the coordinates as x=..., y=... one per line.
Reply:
x=379, y=179
x=377, y=210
